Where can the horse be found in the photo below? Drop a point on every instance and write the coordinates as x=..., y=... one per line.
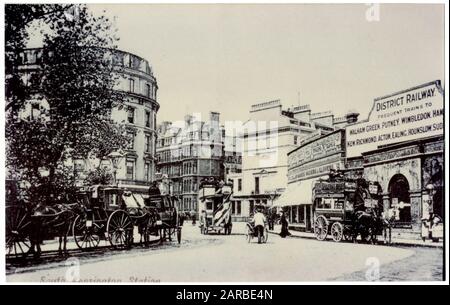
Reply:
x=362, y=225
x=58, y=219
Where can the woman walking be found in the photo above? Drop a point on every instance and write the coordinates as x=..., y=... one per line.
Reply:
x=284, y=226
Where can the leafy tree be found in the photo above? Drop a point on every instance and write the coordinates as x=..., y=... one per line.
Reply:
x=98, y=176
x=76, y=79
x=18, y=19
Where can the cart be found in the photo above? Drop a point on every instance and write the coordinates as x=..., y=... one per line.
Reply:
x=346, y=208
x=250, y=233
x=214, y=207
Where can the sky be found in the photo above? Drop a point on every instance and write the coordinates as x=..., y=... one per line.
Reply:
x=225, y=57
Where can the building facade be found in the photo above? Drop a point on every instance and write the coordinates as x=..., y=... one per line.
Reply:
x=135, y=78
x=400, y=145
x=187, y=154
x=267, y=137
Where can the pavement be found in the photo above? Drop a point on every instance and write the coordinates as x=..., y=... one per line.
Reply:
x=395, y=240
x=231, y=258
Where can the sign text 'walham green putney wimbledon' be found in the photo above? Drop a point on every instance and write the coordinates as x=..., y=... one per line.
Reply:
x=403, y=116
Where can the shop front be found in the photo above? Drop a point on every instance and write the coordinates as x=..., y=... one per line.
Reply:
x=296, y=201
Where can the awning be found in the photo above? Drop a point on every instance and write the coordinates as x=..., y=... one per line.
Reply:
x=296, y=194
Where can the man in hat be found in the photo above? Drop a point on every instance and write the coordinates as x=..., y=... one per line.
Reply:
x=259, y=221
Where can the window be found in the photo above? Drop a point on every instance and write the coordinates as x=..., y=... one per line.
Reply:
x=238, y=208
x=147, y=144
x=147, y=119
x=295, y=140
x=35, y=111
x=131, y=115
x=256, y=185
x=239, y=185
x=130, y=169
x=131, y=85
x=147, y=171
x=149, y=90
x=130, y=136
x=79, y=167
x=130, y=61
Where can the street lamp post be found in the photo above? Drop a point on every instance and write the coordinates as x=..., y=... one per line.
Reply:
x=115, y=158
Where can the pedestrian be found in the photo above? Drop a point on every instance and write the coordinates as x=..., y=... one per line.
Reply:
x=284, y=226
x=259, y=221
x=271, y=220
x=193, y=216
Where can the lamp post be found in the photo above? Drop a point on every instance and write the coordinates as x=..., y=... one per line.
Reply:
x=115, y=158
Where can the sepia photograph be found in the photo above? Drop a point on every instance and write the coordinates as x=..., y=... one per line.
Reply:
x=158, y=143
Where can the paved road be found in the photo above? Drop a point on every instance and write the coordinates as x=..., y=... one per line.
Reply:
x=218, y=258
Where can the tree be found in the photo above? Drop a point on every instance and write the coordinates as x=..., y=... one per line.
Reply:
x=77, y=80
x=18, y=19
x=98, y=176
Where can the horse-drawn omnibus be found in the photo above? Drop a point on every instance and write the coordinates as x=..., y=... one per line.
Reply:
x=214, y=207
x=346, y=208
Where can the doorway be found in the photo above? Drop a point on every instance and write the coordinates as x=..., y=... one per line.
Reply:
x=400, y=198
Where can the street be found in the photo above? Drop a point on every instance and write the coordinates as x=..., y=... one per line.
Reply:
x=211, y=258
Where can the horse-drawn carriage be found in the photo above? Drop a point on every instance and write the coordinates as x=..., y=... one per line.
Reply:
x=346, y=209
x=214, y=207
x=101, y=212
x=111, y=213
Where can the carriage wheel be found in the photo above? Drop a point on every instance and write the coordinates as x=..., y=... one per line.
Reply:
x=321, y=227
x=85, y=237
x=337, y=231
x=179, y=235
x=18, y=225
x=120, y=229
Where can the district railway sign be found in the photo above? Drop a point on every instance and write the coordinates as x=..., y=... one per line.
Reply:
x=403, y=116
